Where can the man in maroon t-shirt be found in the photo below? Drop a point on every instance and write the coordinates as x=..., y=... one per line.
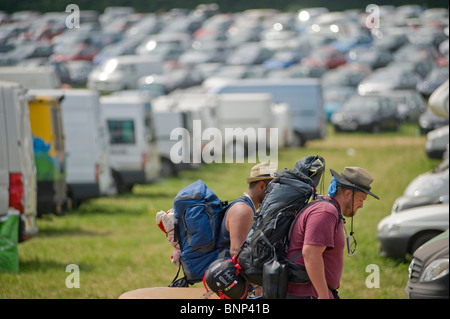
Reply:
x=320, y=235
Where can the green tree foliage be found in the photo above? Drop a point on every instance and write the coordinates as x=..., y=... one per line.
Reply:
x=225, y=5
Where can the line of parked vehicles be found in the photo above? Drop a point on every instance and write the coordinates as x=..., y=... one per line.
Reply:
x=418, y=225
x=140, y=76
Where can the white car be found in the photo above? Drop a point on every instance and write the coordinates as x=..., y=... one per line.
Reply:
x=426, y=189
x=400, y=234
x=437, y=141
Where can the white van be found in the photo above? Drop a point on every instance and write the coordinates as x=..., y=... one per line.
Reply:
x=165, y=122
x=304, y=97
x=18, y=186
x=31, y=77
x=122, y=72
x=249, y=112
x=88, y=171
x=133, y=148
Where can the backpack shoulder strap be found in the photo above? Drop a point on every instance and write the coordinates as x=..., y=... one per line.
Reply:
x=318, y=199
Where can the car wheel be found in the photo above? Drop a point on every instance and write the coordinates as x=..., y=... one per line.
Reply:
x=167, y=168
x=376, y=128
x=298, y=140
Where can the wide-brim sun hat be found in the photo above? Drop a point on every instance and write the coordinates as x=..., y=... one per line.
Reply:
x=356, y=178
x=262, y=171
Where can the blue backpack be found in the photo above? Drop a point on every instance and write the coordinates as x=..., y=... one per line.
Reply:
x=198, y=216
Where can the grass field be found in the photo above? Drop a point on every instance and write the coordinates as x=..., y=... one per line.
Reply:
x=118, y=247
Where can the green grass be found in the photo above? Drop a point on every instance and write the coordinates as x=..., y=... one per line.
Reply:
x=118, y=247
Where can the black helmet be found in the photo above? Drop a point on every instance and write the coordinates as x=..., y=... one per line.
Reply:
x=224, y=278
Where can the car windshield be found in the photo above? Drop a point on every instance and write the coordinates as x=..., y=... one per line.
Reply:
x=359, y=103
x=109, y=66
x=433, y=185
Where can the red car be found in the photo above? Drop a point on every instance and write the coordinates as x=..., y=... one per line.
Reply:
x=326, y=56
x=83, y=52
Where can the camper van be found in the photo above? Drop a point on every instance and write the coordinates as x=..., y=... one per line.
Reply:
x=165, y=122
x=133, y=148
x=40, y=77
x=18, y=189
x=122, y=72
x=304, y=97
x=49, y=154
x=251, y=113
x=88, y=172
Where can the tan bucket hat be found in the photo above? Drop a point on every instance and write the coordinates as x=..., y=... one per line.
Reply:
x=262, y=171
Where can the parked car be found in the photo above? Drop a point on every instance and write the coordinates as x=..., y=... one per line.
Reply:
x=346, y=75
x=124, y=47
x=437, y=141
x=391, y=41
x=283, y=59
x=249, y=53
x=386, y=79
x=402, y=234
x=79, y=72
x=420, y=63
x=334, y=97
x=347, y=42
x=83, y=52
x=438, y=101
x=122, y=72
x=428, y=270
x=373, y=57
x=433, y=80
x=410, y=104
x=325, y=56
x=228, y=73
x=169, y=81
x=205, y=52
x=369, y=113
x=426, y=189
x=429, y=121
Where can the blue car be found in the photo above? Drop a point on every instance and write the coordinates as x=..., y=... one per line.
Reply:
x=335, y=97
x=283, y=59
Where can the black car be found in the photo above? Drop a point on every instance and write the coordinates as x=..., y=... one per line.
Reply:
x=367, y=113
x=428, y=271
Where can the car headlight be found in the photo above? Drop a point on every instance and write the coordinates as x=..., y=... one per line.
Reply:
x=435, y=270
x=389, y=228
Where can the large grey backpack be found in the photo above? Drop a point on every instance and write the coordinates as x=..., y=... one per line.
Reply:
x=286, y=196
